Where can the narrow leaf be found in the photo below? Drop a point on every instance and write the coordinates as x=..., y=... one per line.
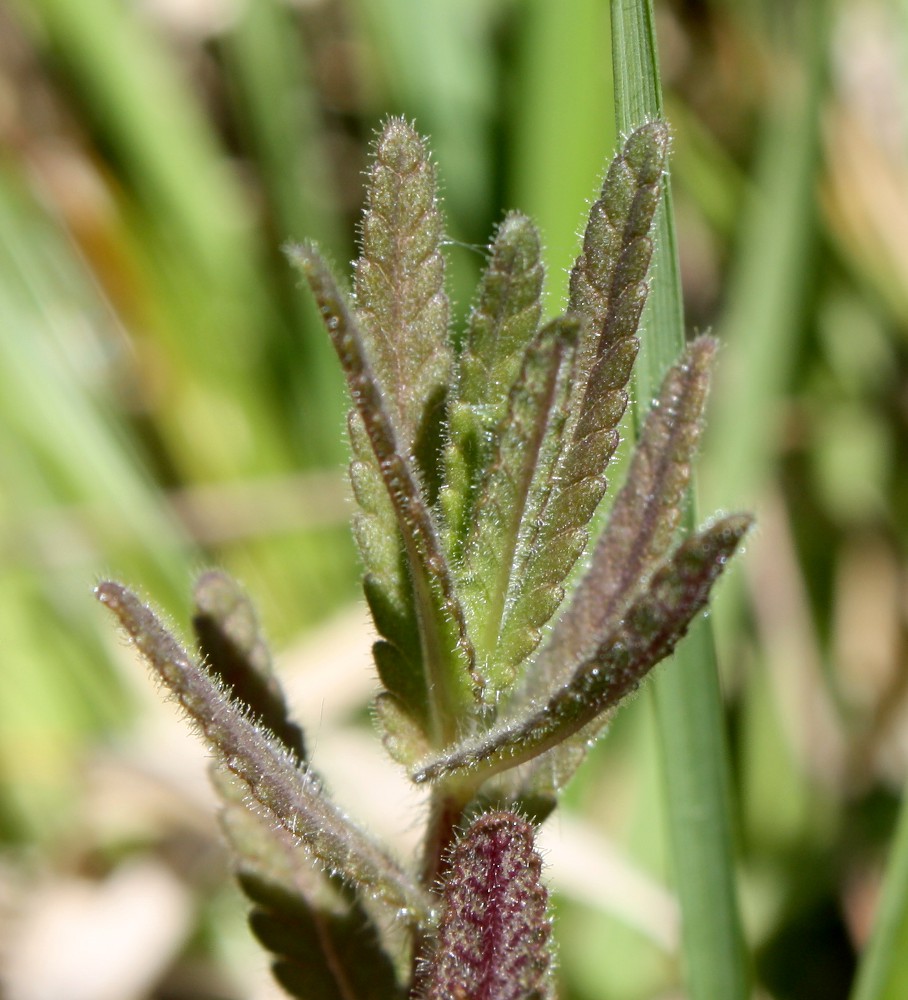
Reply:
x=290, y=795
x=511, y=495
x=645, y=515
x=608, y=285
x=231, y=642
x=399, y=279
x=386, y=583
x=493, y=942
x=607, y=292
x=502, y=323
x=552, y=544
x=447, y=654
x=648, y=633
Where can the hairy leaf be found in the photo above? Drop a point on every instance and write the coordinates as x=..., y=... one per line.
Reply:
x=290, y=795
x=607, y=292
x=493, y=942
x=512, y=493
x=447, y=654
x=227, y=630
x=399, y=279
x=320, y=952
x=402, y=738
x=558, y=535
x=648, y=633
x=386, y=584
x=608, y=281
x=324, y=944
x=502, y=323
x=645, y=516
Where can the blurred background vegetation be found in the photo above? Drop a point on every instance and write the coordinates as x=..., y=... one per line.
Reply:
x=168, y=402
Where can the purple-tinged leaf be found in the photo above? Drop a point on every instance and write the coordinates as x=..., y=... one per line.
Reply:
x=322, y=943
x=288, y=794
x=644, y=518
x=613, y=667
x=493, y=942
x=399, y=280
x=607, y=292
x=447, y=654
x=230, y=640
x=559, y=533
x=608, y=281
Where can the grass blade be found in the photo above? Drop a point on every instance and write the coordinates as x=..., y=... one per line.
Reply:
x=687, y=699
x=883, y=972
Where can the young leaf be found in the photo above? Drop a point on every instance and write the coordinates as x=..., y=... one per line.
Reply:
x=227, y=630
x=559, y=534
x=386, y=584
x=399, y=280
x=648, y=633
x=608, y=291
x=608, y=281
x=644, y=517
x=493, y=942
x=511, y=494
x=291, y=796
x=447, y=654
x=501, y=325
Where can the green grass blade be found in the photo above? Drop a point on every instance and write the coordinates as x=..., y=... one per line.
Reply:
x=558, y=123
x=686, y=695
x=762, y=324
x=883, y=972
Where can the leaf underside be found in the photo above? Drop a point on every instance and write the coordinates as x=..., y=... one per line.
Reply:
x=494, y=933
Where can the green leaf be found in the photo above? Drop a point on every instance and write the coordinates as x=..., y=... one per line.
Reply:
x=399, y=280
x=510, y=497
x=614, y=665
x=402, y=738
x=320, y=952
x=322, y=941
x=227, y=630
x=608, y=285
x=290, y=795
x=446, y=652
x=501, y=325
x=558, y=535
x=640, y=530
x=493, y=941
x=607, y=292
